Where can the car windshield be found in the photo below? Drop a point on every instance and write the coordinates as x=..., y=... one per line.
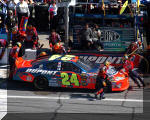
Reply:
x=86, y=65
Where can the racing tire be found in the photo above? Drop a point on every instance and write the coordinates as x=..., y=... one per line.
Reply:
x=40, y=83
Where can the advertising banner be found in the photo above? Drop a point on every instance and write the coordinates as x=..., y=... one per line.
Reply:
x=114, y=39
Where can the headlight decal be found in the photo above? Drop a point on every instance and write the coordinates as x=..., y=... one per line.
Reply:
x=119, y=78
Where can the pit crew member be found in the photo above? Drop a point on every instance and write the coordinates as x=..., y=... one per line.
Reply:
x=58, y=48
x=133, y=47
x=41, y=55
x=17, y=36
x=53, y=39
x=32, y=38
x=128, y=65
x=101, y=80
x=14, y=53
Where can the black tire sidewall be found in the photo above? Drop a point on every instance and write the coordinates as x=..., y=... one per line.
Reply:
x=38, y=87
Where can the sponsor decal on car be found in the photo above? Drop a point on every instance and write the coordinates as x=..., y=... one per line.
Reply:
x=66, y=80
x=63, y=58
x=115, y=59
x=102, y=59
x=41, y=71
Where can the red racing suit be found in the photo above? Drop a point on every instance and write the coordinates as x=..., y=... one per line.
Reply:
x=12, y=59
x=103, y=71
x=32, y=37
x=133, y=46
x=18, y=37
x=14, y=52
x=128, y=65
x=53, y=39
x=59, y=50
x=100, y=84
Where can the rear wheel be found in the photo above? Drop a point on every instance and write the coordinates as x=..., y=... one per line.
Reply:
x=40, y=83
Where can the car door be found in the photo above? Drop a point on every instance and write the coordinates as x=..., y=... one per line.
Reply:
x=53, y=76
x=70, y=74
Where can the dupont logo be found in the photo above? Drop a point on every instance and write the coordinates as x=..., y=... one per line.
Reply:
x=109, y=36
x=102, y=59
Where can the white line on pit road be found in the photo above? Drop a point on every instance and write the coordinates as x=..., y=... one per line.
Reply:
x=123, y=100
x=2, y=114
x=3, y=66
x=68, y=98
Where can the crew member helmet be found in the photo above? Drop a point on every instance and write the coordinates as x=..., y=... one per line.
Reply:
x=57, y=46
x=107, y=63
x=42, y=54
x=18, y=44
x=126, y=56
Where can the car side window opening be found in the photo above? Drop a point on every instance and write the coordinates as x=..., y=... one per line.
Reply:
x=66, y=66
x=38, y=66
x=52, y=65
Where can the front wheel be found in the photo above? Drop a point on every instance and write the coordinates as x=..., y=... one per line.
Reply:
x=40, y=83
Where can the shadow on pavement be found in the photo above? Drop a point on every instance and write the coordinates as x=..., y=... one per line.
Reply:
x=24, y=86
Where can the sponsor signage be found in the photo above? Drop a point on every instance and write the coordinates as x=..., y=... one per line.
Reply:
x=117, y=39
x=109, y=36
x=101, y=16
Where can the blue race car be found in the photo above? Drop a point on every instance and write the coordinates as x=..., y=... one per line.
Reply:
x=57, y=71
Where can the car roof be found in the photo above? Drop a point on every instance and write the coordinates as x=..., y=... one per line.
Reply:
x=57, y=57
x=71, y=58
